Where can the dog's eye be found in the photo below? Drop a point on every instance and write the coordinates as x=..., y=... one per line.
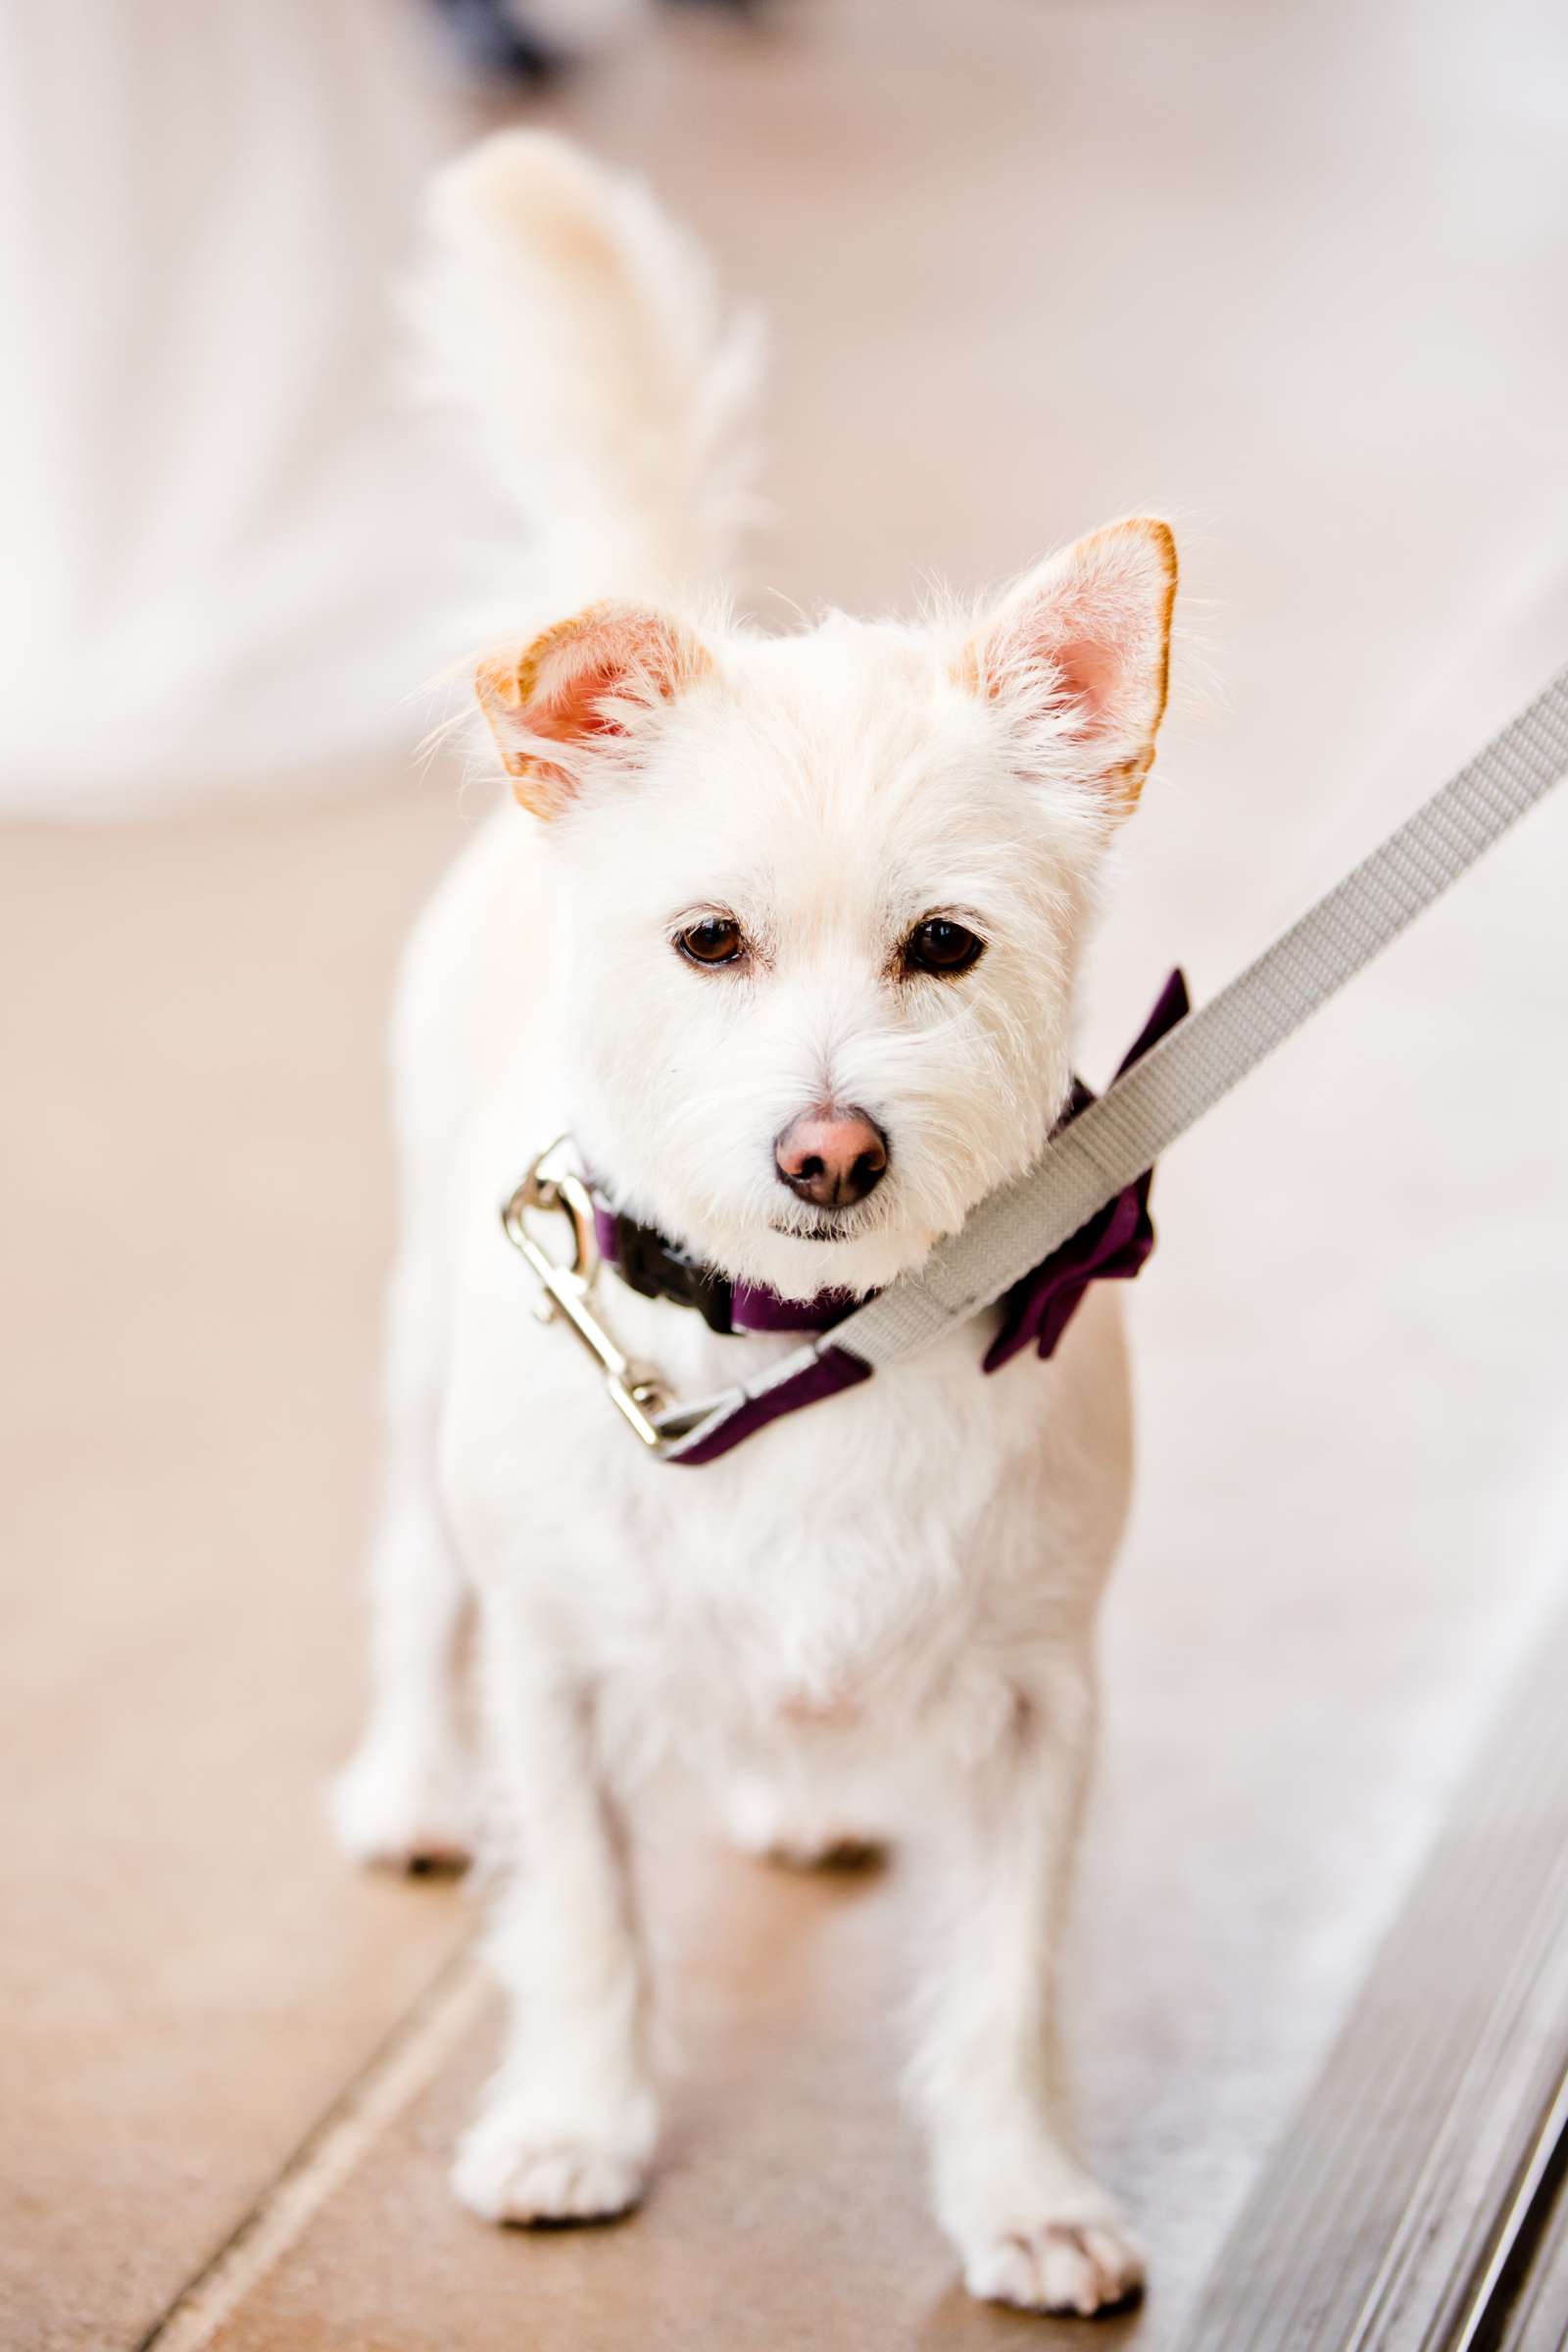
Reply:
x=941, y=946
x=717, y=939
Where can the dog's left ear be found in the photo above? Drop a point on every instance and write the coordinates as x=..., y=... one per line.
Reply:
x=580, y=689
x=1087, y=635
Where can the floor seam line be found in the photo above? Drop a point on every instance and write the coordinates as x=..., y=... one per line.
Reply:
x=404, y=2064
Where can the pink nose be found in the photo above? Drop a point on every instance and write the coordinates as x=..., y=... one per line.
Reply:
x=831, y=1157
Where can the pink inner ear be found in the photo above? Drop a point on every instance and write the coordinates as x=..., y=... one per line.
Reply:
x=1090, y=627
x=554, y=692
x=569, y=706
x=1091, y=673
x=615, y=653
x=1085, y=640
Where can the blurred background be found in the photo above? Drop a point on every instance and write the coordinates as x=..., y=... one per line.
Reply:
x=1295, y=275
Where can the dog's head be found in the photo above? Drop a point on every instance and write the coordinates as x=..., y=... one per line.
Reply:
x=823, y=897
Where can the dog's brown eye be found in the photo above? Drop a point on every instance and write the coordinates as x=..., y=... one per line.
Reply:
x=940, y=946
x=717, y=939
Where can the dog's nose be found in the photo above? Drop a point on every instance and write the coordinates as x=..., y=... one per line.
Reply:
x=831, y=1157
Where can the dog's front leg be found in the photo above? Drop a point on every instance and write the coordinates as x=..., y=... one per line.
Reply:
x=407, y=1797
x=568, y=2125
x=1032, y=2228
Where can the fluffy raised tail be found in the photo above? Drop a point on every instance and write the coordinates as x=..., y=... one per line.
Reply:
x=581, y=338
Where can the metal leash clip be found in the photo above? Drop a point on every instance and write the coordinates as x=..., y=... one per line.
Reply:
x=636, y=1394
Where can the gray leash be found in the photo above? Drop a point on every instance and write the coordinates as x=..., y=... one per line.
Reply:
x=1112, y=1142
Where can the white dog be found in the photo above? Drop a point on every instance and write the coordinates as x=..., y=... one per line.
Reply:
x=784, y=939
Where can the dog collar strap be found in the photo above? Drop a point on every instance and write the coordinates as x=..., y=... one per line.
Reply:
x=658, y=1268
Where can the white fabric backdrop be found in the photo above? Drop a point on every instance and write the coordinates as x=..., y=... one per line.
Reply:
x=219, y=563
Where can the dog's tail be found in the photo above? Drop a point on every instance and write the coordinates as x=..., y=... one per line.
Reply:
x=580, y=335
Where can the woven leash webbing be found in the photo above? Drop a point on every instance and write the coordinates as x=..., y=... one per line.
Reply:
x=1111, y=1143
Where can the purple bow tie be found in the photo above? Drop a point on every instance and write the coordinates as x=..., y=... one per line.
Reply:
x=1111, y=1247
x=1114, y=1243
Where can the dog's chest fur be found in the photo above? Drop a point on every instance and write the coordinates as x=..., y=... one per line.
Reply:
x=883, y=1561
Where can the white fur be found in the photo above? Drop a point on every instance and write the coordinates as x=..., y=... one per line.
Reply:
x=578, y=338
x=575, y=25
x=902, y=1581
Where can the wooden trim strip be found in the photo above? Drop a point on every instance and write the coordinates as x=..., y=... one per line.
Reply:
x=1397, y=2212
x=1536, y=2317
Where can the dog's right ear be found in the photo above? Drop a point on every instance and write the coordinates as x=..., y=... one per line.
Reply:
x=1085, y=639
x=580, y=687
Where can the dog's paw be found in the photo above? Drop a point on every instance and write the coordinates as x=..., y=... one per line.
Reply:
x=1066, y=2267
x=405, y=1806
x=509, y=2170
x=838, y=1849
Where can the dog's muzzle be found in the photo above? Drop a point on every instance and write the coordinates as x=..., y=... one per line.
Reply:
x=1033, y=1313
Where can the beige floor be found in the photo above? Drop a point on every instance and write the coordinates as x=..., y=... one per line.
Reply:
x=1298, y=275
